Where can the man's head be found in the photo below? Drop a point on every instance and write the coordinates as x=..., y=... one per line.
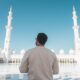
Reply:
x=41, y=39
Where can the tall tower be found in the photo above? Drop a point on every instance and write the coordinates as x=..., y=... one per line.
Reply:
x=8, y=35
x=76, y=31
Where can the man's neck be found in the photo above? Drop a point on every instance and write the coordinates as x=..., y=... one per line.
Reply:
x=40, y=45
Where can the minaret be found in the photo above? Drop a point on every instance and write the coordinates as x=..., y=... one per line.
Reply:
x=76, y=31
x=8, y=35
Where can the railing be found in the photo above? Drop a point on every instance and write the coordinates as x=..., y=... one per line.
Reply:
x=25, y=77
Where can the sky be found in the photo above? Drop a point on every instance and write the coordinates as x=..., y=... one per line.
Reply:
x=53, y=17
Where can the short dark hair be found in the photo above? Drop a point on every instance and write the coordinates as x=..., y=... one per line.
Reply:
x=42, y=38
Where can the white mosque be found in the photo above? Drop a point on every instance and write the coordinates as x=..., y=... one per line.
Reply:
x=71, y=58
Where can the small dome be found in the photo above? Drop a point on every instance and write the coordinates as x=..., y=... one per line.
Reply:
x=71, y=51
x=61, y=51
x=14, y=52
x=52, y=50
x=22, y=51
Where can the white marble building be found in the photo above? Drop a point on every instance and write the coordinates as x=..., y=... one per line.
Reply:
x=71, y=58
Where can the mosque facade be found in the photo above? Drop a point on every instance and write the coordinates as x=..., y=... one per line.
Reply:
x=71, y=58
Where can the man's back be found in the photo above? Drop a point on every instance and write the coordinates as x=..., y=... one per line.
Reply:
x=41, y=64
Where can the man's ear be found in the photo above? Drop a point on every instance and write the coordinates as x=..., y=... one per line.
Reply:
x=37, y=42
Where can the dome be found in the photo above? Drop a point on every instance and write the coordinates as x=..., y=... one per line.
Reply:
x=61, y=51
x=71, y=51
x=52, y=50
x=13, y=52
x=22, y=51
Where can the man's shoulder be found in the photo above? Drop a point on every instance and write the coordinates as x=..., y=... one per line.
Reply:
x=51, y=52
x=30, y=50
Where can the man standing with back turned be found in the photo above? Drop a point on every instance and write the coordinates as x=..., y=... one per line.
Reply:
x=40, y=63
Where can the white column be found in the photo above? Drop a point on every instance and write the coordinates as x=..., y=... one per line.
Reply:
x=76, y=32
x=8, y=35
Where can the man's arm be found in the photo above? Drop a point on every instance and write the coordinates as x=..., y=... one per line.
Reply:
x=24, y=64
x=55, y=66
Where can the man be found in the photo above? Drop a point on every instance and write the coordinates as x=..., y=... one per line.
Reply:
x=39, y=62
